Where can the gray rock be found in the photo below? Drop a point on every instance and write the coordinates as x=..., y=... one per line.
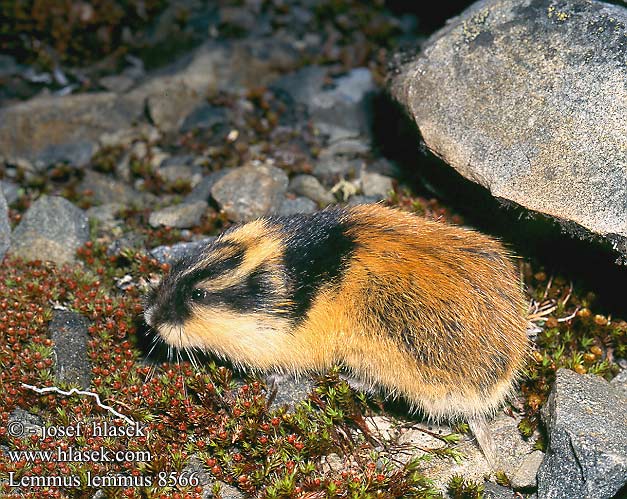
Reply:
x=330, y=168
x=382, y=426
x=250, y=192
x=511, y=450
x=385, y=167
x=51, y=229
x=207, y=482
x=30, y=424
x=117, y=83
x=350, y=146
x=296, y=206
x=45, y=130
x=105, y=213
x=309, y=186
x=357, y=200
x=139, y=150
x=341, y=113
x=70, y=337
x=181, y=216
x=214, y=66
x=304, y=84
x=196, y=467
x=525, y=476
x=413, y=440
x=8, y=66
x=11, y=191
x=375, y=185
x=586, y=420
x=106, y=189
x=168, y=114
x=527, y=98
x=496, y=491
x=290, y=390
x=204, y=116
x=182, y=159
x=171, y=254
x=180, y=173
x=126, y=137
x=619, y=382
x=129, y=241
x=5, y=227
x=229, y=492
x=240, y=18
x=202, y=190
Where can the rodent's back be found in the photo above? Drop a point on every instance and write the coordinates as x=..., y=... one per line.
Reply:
x=430, y=311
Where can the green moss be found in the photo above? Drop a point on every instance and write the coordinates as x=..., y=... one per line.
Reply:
x=462, y=488
x=572, y=337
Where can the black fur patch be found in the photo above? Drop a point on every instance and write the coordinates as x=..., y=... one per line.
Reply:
x=317, y=251
x=483, y=253
x=218, y=268
x=255, y=293
x=170, y=304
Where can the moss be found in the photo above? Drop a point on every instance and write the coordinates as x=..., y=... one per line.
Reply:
x=462, y=488
x=572, y=336
x=43, y=31
x=430, y=208
x=186, y=412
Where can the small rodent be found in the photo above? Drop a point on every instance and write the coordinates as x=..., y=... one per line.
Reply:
x=424, y=310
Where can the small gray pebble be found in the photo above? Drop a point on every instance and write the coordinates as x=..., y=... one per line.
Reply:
x=309, y=186
x=181, y=216
x=170, y=254
x=202, y=190
x=11, y=191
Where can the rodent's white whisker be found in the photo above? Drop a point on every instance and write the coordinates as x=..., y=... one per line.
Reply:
x=150, y=374
x=155, y=341
x=192, y=358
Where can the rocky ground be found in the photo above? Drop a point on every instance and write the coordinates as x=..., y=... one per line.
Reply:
x=111, y=172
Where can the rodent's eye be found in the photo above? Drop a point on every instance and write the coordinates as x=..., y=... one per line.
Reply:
x=199, y=295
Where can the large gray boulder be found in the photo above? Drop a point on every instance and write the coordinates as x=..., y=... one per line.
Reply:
x=586, y=419
x=528, y=98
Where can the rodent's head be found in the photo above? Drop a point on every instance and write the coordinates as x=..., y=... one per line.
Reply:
x=231, y=298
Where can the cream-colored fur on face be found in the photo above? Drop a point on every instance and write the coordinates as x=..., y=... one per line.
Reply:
x=254, y=339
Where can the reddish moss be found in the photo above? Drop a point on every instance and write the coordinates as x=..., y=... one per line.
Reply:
x=73, y=32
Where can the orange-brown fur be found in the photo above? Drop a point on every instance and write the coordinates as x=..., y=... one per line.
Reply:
x=417, y=268
x=427, y=311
